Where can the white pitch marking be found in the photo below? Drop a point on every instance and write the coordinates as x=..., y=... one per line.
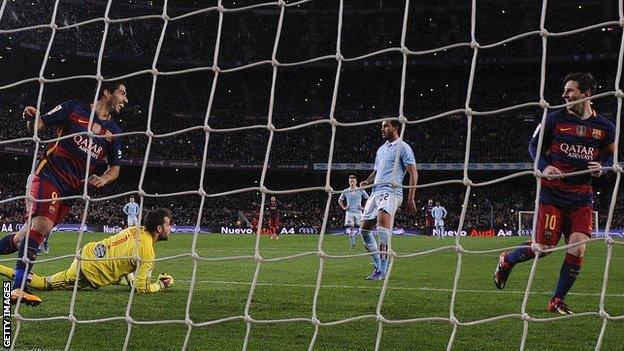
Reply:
x=377, y=287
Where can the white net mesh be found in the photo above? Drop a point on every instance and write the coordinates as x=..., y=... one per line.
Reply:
x=332, y=121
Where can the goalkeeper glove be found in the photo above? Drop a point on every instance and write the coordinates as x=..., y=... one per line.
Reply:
x=126, y=280
x=165, y=280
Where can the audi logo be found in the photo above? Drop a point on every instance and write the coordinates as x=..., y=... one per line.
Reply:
x=308, y=230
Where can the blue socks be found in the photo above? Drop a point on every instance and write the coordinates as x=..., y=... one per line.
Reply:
x=21, y=268
x=371, y=245
x=570, y=269
x=7, y=246
x=521, y=254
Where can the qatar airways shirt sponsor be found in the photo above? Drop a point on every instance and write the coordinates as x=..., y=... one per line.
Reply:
x=87, y=145
x=64, y=160
x=569, y=144
x=581, y=152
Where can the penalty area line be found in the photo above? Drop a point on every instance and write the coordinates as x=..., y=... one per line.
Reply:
x=377, y=287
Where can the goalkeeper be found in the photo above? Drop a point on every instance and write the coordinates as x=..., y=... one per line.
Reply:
x=110, y=260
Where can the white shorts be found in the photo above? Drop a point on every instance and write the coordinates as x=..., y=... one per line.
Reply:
x=439, y=223
x=386, y=200
x=132, y=221
x=353, y=219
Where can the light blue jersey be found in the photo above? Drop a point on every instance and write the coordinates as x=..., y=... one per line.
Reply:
x=384, y=165
x=354, y=199
x=131, y=209
x=438, y=212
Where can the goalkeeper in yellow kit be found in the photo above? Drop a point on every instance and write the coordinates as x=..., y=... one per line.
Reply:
x=110, y=260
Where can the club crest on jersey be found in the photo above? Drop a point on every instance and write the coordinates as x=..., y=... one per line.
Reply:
x=96, y=128
x=581, y=130
x=100, y=250
x=597, y=134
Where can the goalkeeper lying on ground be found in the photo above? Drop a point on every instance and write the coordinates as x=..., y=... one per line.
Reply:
x=102, y=262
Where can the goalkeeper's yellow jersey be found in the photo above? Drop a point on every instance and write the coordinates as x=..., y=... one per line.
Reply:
x=103, y=265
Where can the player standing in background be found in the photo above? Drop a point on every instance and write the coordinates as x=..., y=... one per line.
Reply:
x=61, y=170
x=101, y=265
x=576, y=138
x=429, y=222
x=131, y=209
x=385, y=199
x=439, y=213
x=273, y=208
x=351, y=201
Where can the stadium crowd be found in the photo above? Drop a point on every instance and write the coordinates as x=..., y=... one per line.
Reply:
x=368, y=89
x=492, y=206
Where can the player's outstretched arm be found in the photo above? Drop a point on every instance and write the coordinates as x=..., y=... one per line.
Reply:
x=142, y=283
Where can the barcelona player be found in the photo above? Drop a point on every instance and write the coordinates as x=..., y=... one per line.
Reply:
x=112, y=259
x=576, y=138
x=60, y=171
x=428, y=214
x=273, y=208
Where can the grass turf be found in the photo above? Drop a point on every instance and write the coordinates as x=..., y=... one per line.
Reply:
x=419, y=287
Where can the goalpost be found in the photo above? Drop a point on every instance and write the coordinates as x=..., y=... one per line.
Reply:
x=323, y=258
x=525, y=221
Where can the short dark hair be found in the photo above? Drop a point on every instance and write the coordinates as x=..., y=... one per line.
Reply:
x=352, y=176
x=155, y=218
x=585, y=81
x=394, y=122
x=110, y=87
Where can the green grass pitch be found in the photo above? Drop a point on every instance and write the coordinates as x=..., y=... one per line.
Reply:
x=418, y=287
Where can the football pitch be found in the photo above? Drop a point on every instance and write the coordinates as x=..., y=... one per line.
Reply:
x=419, y=287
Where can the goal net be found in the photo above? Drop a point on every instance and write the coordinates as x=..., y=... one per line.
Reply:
x=460, y=117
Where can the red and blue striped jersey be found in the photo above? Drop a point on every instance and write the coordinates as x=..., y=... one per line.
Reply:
x=273, y=208
x=570, y=144
x=427, y=211
x=63, y=161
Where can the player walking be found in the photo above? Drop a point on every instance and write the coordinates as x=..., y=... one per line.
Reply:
x=576, y=138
